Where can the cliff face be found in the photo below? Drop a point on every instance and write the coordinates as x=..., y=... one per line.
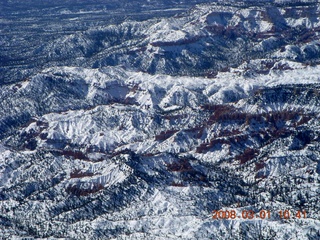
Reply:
x=146, y=150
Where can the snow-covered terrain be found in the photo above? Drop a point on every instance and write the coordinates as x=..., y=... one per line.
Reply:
x=140, y=130
x=118, y=154
x=200, y=42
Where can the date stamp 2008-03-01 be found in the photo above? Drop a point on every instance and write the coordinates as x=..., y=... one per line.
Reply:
x=262, y=214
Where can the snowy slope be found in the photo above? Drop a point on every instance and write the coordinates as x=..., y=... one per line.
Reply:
x=151, y=156
x=207, y=39
x=140, y=130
